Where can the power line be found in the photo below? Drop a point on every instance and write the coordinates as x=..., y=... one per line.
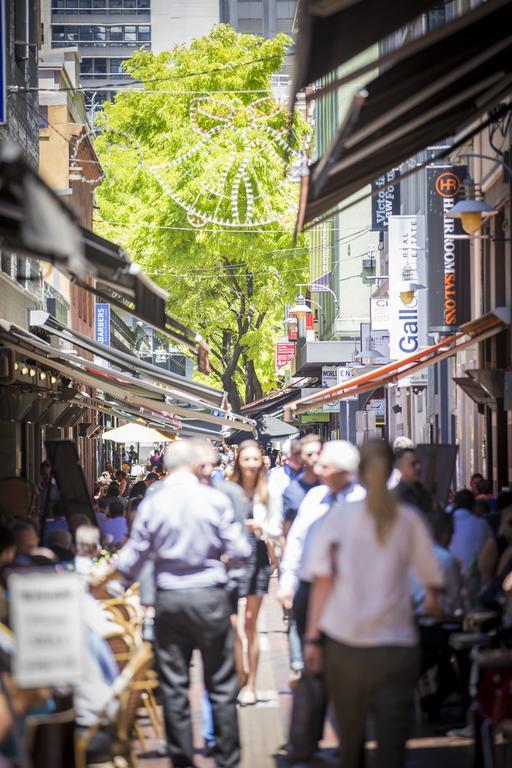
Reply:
x=123, y=225
x=123, y=86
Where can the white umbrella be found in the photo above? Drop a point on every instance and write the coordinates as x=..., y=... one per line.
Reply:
x=135, y=433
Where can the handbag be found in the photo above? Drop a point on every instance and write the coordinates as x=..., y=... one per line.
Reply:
x=308, y=715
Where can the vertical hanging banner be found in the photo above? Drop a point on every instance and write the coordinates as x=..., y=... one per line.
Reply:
x=3, y=65
x=448, y=259
x=102, y=330
x=102, y=324
x=385, y=200
x=407, y=316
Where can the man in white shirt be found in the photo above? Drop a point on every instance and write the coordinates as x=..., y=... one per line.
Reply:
x=336, y=469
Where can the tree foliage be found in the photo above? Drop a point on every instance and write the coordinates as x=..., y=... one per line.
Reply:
x=192, y=179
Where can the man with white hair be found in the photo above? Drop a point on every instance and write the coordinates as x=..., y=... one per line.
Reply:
x=336, y=470
x=188, y=528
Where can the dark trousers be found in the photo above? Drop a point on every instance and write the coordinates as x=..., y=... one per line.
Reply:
x=187, y=619
x=377, y=681
x=309, y=697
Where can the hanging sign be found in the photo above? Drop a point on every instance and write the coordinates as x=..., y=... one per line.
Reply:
x=102, y=325
x=3, y=65
x=284, y=353
x=386, y=201
x=379, y=313
x=448, y=259
x=46, y=618
x=408, y=316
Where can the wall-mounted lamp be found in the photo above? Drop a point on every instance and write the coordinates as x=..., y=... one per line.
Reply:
x=471, y=212
x=407, y=290
x=300, y=309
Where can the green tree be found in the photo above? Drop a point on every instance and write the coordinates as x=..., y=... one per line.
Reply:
x=197, y=189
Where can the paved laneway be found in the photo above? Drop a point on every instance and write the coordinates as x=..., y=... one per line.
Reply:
x=264, y=727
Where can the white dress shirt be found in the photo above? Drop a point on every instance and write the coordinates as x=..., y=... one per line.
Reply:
x=370, y=602
x=314, y=506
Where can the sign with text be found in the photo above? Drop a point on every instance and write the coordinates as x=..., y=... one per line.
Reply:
x=344, y=373
x=329, y=375
x=3, y=65
x=386, y=200
x=448, y=259
x=379, y=313
x=408, y=315
x=102, y=324
x=46, y=617
x=284, y=353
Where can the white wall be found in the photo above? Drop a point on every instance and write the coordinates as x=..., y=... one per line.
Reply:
x=177, y=22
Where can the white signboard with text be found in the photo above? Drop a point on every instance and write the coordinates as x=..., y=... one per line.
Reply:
x=47, y=621
x=408, y=315
x=379, y=313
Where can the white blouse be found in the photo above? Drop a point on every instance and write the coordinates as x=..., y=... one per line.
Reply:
x=370, y=602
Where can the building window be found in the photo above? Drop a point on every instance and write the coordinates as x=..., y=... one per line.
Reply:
x=93, y=68
x=68, y=7
x=116, y=70
x=43, y=116
x=89, y=35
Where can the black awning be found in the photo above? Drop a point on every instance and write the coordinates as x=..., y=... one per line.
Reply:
x=333, y=31
x=34, y=222
x=441, y=83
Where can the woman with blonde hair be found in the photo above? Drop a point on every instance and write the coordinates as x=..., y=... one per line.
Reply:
x=264, y=525
x=360, y=622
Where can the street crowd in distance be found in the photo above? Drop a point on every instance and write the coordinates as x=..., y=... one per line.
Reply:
x=371, y=572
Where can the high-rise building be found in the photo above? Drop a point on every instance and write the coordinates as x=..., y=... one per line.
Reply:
x=107, y=32
x=261, y=17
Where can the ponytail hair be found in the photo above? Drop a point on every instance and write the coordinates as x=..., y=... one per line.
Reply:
x=374, y=470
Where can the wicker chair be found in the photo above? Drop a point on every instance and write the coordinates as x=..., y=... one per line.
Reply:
x=126, y=690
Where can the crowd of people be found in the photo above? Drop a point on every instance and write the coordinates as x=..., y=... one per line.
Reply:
x=361, y=551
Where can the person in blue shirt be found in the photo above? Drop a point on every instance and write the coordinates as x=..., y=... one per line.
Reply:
x=310, y=447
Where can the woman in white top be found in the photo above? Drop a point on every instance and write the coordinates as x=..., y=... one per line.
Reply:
x=360, y=621
x=264, y=525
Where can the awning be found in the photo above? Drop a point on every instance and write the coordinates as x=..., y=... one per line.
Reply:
x=150, y=396
x=333, y=31
x=35, y=222
x=41, y=321
x=274, y=402
x=470, y=333
x=438, y=84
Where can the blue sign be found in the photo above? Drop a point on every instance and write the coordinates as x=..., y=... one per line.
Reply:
x=3, y=73
x=102, y=326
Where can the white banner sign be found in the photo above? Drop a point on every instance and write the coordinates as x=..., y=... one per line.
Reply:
x=379, y=313
x=329, y=376
x=408, y=316
x=46, y=617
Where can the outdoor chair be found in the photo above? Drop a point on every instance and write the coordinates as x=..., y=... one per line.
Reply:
x=126, y=691
x=123, y=647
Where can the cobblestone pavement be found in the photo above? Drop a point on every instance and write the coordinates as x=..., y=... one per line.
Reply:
x=263, y=728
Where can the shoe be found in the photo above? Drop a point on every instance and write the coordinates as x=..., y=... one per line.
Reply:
x=247, y=697
x=461, y=733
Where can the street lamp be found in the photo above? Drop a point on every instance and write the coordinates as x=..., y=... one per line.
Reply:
x=301, y=309
x=407, y=290
x=470, y=211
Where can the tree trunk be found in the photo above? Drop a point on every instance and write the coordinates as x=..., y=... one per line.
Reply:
x=231, y=388
x=253, y=390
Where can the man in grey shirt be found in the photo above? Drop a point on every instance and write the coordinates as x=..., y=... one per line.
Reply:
x=187, y=528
